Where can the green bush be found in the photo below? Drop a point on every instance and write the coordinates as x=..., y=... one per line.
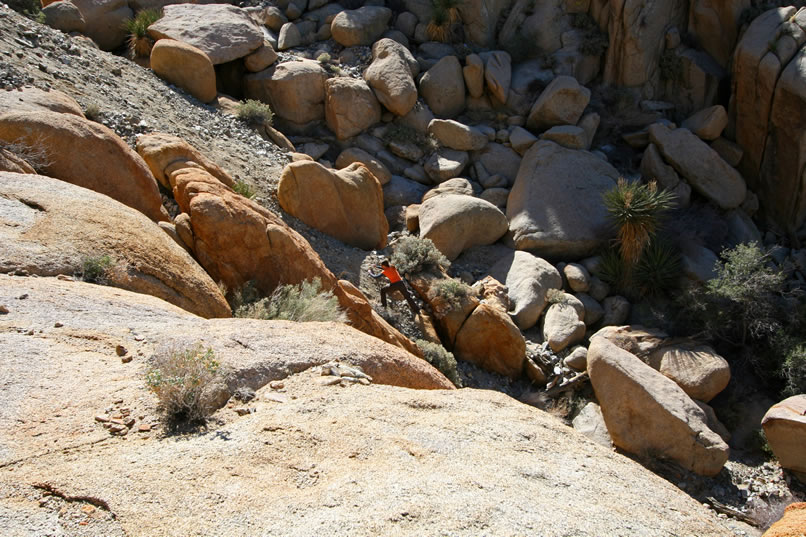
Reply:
x=140, y=43
x=793, y=368
x=414, y=255
x=453, y=291
x=323, y=58
x=244, y=189
x=30, y=8
x=180, y=378
x=255, y=112
x=305, y=302
x=658, y=270
x=443, y=360
x=94, y=269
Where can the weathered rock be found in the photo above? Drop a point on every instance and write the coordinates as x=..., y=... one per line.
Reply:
x=473, y=72
x=785, y=428
x=730, y=152
x=572, y=184
x=568, y=136
x=295, y=90
x=402, y=191
x=162, y=152
x=500, y=160
x=51, y=227
x=221, y=31
x=496, y=196
x=489, y=339
x=791, y=523
x=64, y=16
x=704, y=169
x=104, y=21
x=455, y=135
x=260, y=59
x=237, y=241
x=528, y=278
x=590, y=422
x=289, y=36
x=521, y=140
x=31, y=99
x=577, y=360
x=443, y=87
x=634, y=339
x=698, y=369
x=646, y=411
x=497, y=73
x=354, y=154
x=362, y=26
x=274, y=18
x=185, y=66
x=562, y=324
x=715, y=24
x=391, y=75
x=446, y=164
x=11, y=162
x=697, y=261
x=480, y=19
x=561, y=103
x=708, y=123
x=593, y=310
x=275, y=441
x=577, y=277
x=107, y=165
x=347, y=204
x=653, y=168
x=451, y=186
x=350, y=106
x=616, y=311
x=457, y=222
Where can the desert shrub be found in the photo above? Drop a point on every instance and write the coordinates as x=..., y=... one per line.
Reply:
x=413, y=255
x=179, y=378
x=556, y=296
x=244, y=189
x=443, y=360
x=453, y=291
x=305, y=302
x=658, y=269
x=594, y=40
x=94, y=269
x=140, y=44
x=92, y=112
x=445, y=24
x=793, y=368
x=323, y=58
x=30, y=8
x=35, y=154
x=255, y=112
x=671, y=66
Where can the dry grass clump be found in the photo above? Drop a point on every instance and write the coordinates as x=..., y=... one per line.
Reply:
x=306, y=302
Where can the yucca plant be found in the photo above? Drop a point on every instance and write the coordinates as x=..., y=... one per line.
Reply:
x=140, y=44
x=658, y=270
x=444, y=21
x=635, y=208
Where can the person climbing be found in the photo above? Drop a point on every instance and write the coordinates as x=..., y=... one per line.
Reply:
x=395, y=284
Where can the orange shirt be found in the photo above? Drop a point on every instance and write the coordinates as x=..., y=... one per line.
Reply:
x=391, y=273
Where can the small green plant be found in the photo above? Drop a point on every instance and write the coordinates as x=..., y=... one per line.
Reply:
x=94, y=269
x=443, y=360
x=323, y=58
x=305, y=302
x=255, y=112
x=445, y=22
x=180, y=379
x=453, y=291
x=140, y=44
x=244, y=189
x=671, y=67
x=92, y=112
x=30, y=8
x=658, y=269
x=414, y=255
x=793, y=369
x=556, y=296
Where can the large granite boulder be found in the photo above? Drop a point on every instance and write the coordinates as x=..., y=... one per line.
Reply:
x=87, y=154
x=561, y=103
x=489, y=339
x=455, y=135
x=443, y=87
x=346, y=204
x=32, y=99
x=295, y=90
x=646, y=412
x=391, y=75
x=555, y=208
x=355, y=154
x=51, y=227
x=455, y=222
x=362, y=26
x=697, y=369
x=785, y=428
x=563, y=323
x=162, y=152
x=350, y=106
x=103, y=21
x=221, y=31
x=705, y=170
x=185, y=66
x=528, y=279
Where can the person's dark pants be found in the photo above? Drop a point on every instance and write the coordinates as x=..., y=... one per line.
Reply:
x=399, y=286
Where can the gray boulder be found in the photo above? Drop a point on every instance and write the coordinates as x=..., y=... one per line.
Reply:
x=528, y=278
x=455, y=222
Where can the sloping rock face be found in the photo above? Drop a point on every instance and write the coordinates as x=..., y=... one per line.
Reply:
x=791, y=524
x=637, y=29
x=162, y=151
x=221, y=31
x=647, y=412
x=785, y=428
x=346, y=204
x=528, y=278
x=309, y=455
x=87, y=154
x=768, y=102
x=555, y=208
x=237, y=240
x=31, y=99
x=715, y=24
x=50, y=226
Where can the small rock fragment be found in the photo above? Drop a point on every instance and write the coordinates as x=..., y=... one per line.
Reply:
x=120, y=350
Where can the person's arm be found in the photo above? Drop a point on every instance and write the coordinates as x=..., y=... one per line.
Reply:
x=375, y=275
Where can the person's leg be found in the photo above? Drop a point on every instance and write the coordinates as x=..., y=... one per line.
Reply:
x=384, y=290
x=405, y=292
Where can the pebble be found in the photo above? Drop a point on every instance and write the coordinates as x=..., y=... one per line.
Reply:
x=3, y=309
x=126, y=359
x=144, y=428
x=245, y=411
x=120, y=350
x=276, y=385
x=101, y=419
x=57, y=325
